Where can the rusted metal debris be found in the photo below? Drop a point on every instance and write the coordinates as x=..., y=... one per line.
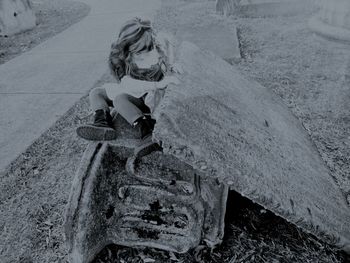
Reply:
x=158, y=201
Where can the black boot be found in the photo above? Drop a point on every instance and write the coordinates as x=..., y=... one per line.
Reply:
x=146, y=145
x=145, y=126
x=100, y=130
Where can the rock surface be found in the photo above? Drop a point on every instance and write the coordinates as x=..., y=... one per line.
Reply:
x=234, y=129
x=163, y=204
x=16, y=16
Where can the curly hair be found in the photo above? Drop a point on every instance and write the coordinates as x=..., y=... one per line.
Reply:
x=135, y=36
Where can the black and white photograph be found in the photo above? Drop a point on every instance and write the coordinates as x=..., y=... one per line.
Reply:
x=174, y=131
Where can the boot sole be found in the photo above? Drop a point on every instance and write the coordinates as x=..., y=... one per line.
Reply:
x=94, y=133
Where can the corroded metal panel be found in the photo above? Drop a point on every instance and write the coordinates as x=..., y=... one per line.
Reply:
x=163, y=203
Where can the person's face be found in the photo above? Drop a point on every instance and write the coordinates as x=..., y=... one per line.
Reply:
x=145, y=59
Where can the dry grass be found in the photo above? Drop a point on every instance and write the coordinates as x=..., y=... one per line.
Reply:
x=35, y=188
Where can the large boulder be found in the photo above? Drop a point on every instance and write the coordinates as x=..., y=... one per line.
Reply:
x=233, y=129
x=16, y=16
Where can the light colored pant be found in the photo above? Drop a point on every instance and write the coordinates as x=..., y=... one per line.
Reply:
x=129, y=107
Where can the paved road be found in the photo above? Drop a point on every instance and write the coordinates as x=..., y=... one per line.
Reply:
x=39, y=86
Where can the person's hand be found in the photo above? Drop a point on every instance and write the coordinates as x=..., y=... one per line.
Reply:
x=166, y=81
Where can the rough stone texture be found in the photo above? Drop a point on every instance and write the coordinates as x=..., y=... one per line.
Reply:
x=333, y=20
x=16, y=16
x=163, y=204
x=262, y=8
x=234, y=129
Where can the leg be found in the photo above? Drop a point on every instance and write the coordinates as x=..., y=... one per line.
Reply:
x=99, y=99
x=101, y=128
x=135, y=112
x=130, y=107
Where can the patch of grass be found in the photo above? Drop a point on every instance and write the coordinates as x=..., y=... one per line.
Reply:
x=35, y=188
x=52, y=17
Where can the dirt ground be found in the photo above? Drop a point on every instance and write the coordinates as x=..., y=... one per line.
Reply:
x=53, y=16
x=304, y=70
